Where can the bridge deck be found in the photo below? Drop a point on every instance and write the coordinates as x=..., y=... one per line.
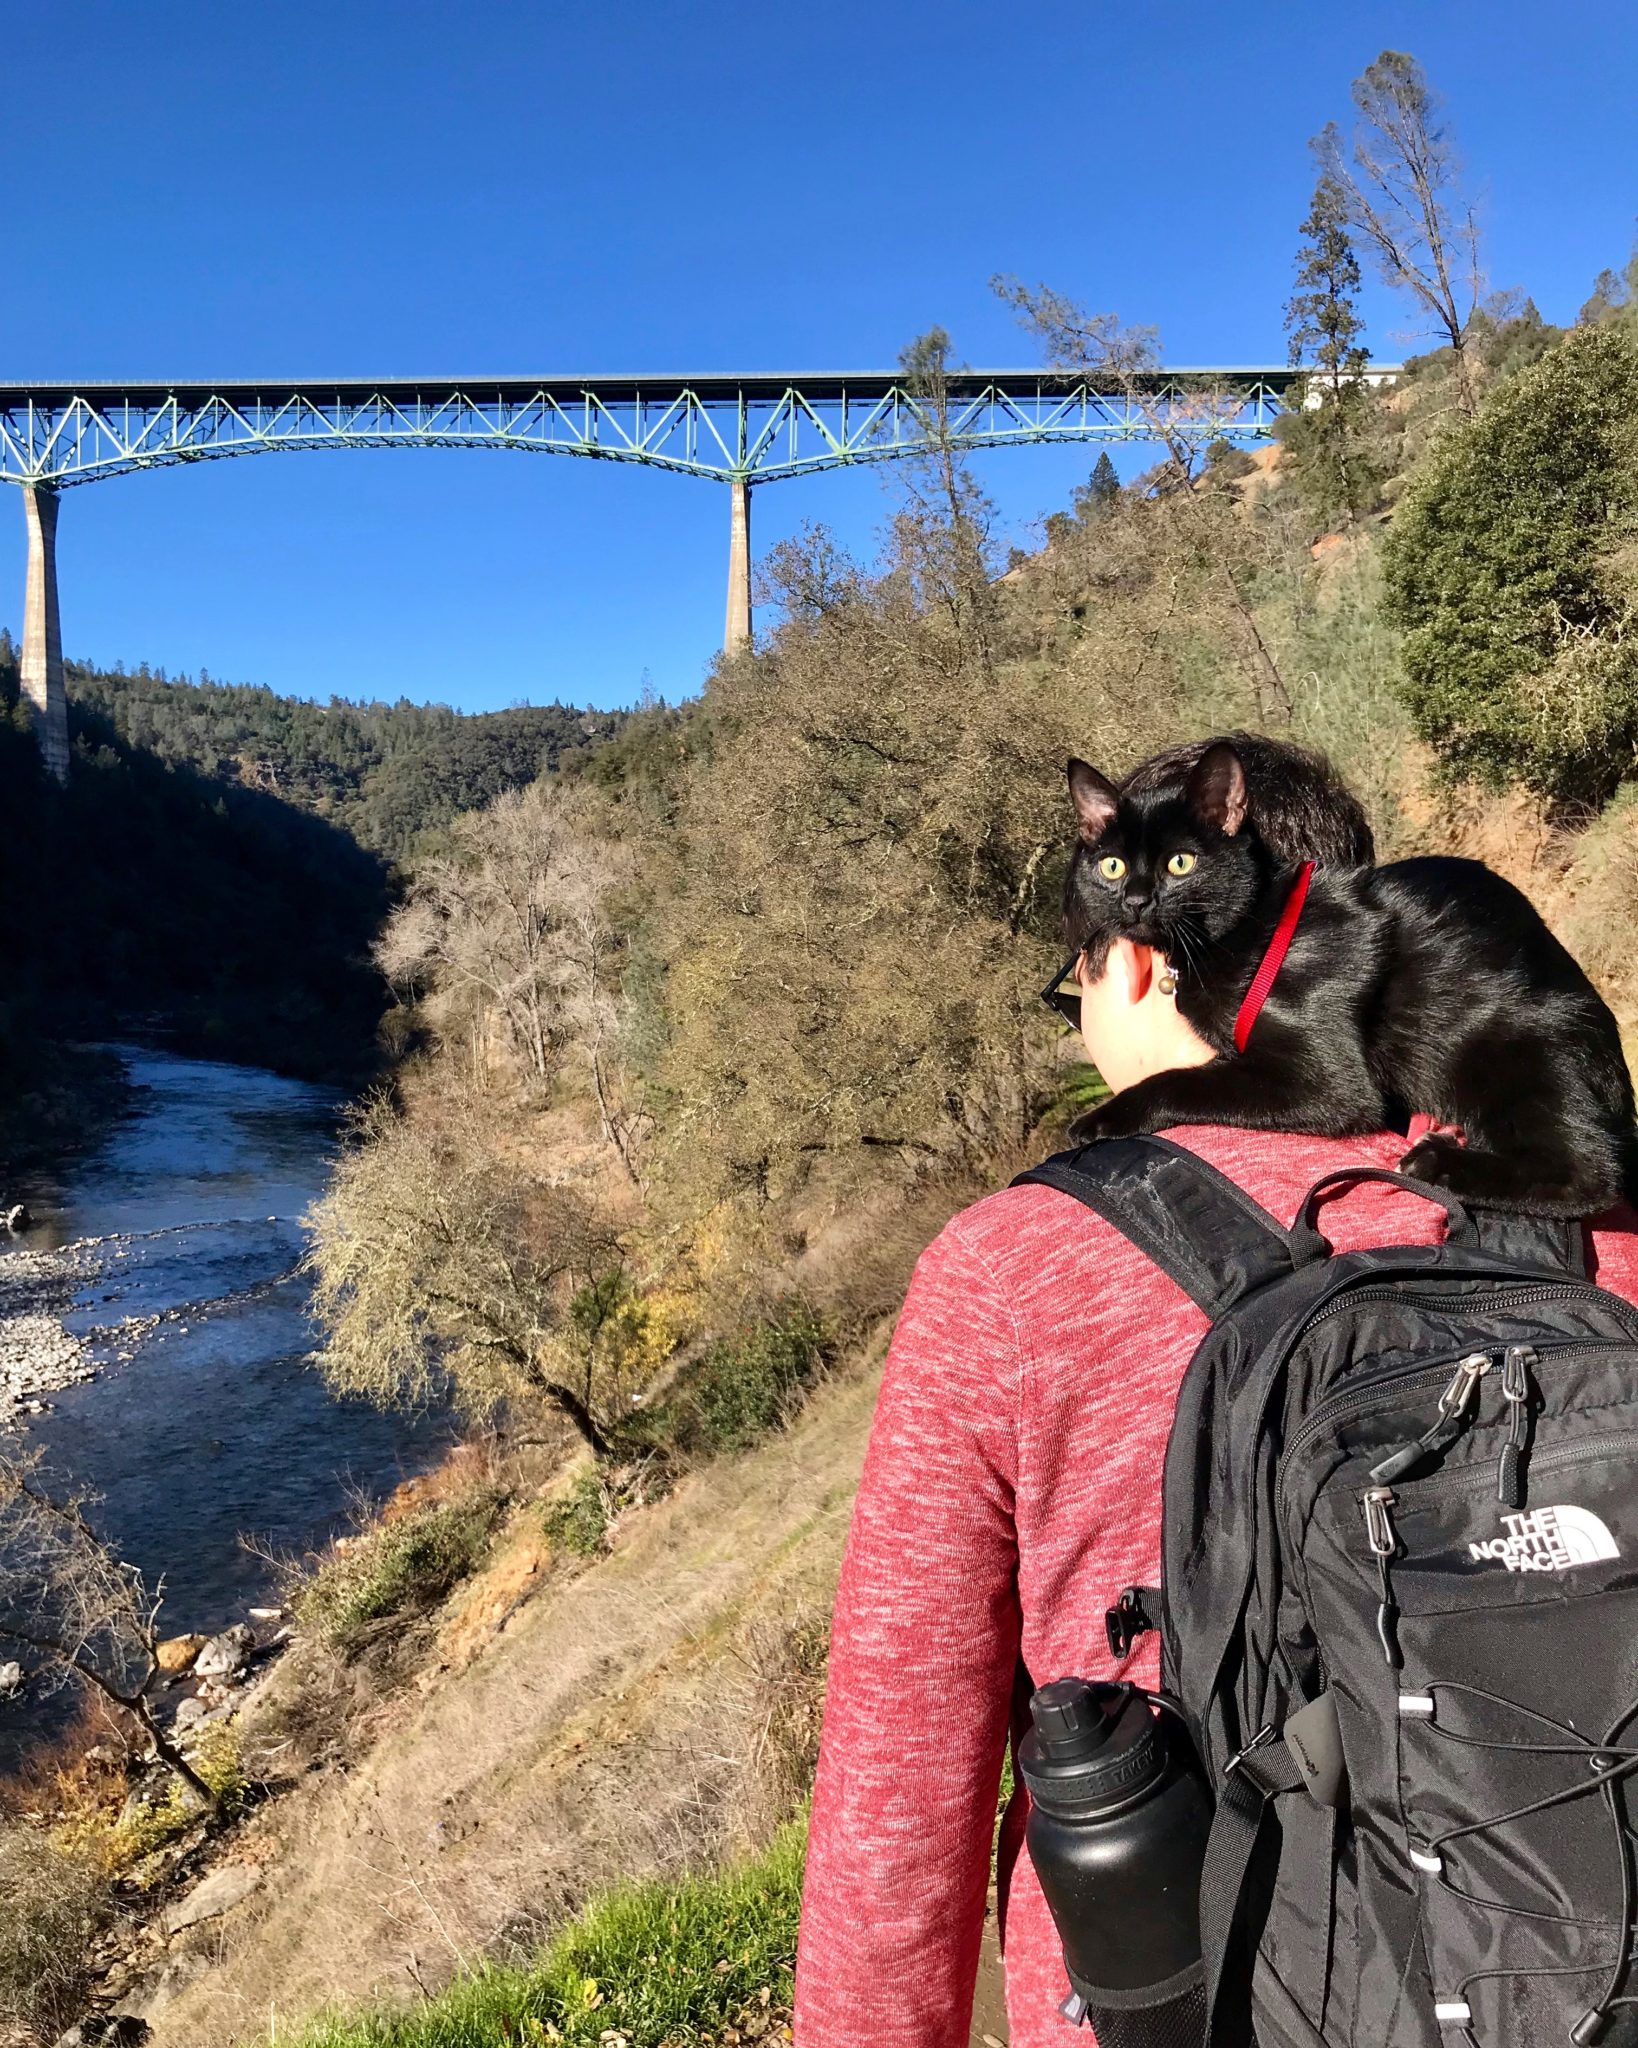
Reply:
x=654, y=387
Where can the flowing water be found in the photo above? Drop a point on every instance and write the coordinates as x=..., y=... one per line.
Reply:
x=172, y=1255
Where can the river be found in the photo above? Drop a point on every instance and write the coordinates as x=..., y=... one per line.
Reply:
x=171, y=1255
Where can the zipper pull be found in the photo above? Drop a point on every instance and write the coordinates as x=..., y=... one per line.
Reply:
x=1515, y=1388
x=1379, y=1530
x=1383, y=1538
x=1446, y=1426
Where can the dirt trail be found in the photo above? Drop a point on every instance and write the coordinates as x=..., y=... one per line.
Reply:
x=606, y=1730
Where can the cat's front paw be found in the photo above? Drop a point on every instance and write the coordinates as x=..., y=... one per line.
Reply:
x=1435, y=1160
x=1116, y=1118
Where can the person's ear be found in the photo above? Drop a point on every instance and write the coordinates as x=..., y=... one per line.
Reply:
x=1096, y=800
x=1216, y=788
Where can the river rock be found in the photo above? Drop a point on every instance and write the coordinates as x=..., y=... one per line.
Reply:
x=226, y=1655
x=179, y=1653
x=11, y=1679
x=220, y=1893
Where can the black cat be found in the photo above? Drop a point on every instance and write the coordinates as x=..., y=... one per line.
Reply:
x=1427, y=985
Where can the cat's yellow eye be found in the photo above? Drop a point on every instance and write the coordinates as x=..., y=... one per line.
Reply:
x=1111, y=867
x=1180, y=863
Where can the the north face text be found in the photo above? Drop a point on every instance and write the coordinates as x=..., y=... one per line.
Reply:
x=1549, y=1540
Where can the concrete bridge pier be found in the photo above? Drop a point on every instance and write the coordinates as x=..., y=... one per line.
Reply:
x=736, y=635
x=42, y=670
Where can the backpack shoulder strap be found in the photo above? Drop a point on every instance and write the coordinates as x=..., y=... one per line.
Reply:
x=1194, y=1223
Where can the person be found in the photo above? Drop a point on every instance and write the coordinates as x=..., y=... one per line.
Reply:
x=1010, y=1491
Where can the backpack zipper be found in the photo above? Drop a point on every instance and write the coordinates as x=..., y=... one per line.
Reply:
x=1367, y=1386
x=1568, y=1290
x=1455, y=1412
x=1383, y=1538
x=1554, y=1455
x=1515, y=1388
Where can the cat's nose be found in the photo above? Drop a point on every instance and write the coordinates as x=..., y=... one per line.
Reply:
x=1135, y=905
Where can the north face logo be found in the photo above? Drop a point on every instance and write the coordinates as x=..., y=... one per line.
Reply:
x=1550, y=1540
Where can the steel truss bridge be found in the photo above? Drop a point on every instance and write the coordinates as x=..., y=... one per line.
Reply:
x=742, y=431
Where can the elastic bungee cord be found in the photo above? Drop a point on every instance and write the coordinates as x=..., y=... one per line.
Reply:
x=1616, y=1762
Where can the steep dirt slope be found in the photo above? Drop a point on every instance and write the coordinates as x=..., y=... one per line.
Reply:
x=610, y=1727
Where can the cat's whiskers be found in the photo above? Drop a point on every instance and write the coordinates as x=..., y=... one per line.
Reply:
x=1185, y=945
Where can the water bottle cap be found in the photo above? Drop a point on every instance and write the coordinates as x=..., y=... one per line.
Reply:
x=1070, y=1713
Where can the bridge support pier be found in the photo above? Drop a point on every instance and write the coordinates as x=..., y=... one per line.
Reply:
x=42, y=670
x=736, y=637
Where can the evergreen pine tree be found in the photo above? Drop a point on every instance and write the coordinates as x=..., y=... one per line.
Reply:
x=1098, y=494
x=1329, y=441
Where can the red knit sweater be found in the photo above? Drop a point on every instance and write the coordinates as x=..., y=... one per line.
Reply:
x=1012, y=1487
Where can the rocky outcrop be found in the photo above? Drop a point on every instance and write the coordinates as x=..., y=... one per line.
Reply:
x=178, y=1654
x=226, y=1655
x=218, y=1894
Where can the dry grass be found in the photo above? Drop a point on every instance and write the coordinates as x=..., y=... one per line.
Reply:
x=78, y=1771
x=638, y=1717
x=53, y=1901
x=784, y=1661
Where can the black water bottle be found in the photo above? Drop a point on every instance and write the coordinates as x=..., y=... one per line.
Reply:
x=1117, y=1833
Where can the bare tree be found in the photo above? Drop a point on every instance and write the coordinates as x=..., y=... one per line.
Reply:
x=1102, y=346
x=480, y=922
x=75, y=1611
x=585, y=983
x=513, y=923
x=1401, y=176
x=441, y=1259
x=942, y=534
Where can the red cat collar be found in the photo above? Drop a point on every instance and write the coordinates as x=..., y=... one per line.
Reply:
x=1272, y=961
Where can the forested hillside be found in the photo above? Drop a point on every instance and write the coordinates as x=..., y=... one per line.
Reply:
x=218, y=869
x=388, y=773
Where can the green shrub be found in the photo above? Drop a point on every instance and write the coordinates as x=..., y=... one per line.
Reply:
x=652, y=1965
x=578, y=1520
x=53, y=1900
x=1509, y=564
x=397, y=1571
x=749, y=1386
x=219, y=1762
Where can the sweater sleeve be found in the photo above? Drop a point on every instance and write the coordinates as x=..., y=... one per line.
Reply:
x=924, y=1647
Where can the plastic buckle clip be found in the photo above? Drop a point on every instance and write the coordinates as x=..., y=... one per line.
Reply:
x=1126, y=1621
x=1264, y=1736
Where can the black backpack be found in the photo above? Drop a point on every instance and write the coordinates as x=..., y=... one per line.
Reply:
x=1400, y=1611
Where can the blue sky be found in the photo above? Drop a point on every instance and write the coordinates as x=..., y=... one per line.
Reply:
x=408, y=186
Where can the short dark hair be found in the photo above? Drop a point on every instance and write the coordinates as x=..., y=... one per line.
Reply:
x=1300, y=805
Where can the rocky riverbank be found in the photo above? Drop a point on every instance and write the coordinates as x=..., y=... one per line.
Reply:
x=181, y=1868
x=39, y=1353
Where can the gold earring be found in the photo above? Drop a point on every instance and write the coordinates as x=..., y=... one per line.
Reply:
x=1168, y=986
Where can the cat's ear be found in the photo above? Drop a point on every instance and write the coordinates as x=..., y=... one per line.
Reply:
x=1096, y=800
x=1217, y=788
